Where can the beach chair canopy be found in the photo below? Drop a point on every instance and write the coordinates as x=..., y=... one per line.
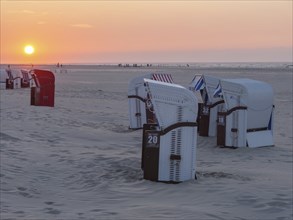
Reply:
x=139, y=113
x=43, y=78
x=136, y=85
x=26, y=75
x=257, y=96
x=206, y=85
x=13, y=74
x=211, y=84
x=172, y=103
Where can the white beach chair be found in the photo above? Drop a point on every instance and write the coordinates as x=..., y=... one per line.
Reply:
x=26, y=79
x=248, y=117
x=169, y=147
x=3, y=77
x=139, y=110
x=13, y=80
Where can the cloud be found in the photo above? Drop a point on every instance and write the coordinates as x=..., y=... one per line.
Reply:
x=21, y=12
x=28, y=12
x=82, y=25
x=41, y=22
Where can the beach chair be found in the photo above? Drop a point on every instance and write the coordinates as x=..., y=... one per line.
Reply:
x=140, y=111
x=209, y=106
x=247, y=118
x=13, y=81
x=3, y=77
x=169, y=146
x=43, y=93
x=26, y=78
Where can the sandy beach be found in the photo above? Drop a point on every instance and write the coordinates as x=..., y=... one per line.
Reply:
x=79, y=160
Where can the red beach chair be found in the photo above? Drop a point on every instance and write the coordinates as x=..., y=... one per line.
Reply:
x=44, y=91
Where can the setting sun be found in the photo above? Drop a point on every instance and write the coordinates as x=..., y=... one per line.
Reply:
x=29, y=49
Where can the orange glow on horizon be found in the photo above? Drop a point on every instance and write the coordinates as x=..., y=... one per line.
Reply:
x=142, y=31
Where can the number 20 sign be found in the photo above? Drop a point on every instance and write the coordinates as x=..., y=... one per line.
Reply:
x=153, y=139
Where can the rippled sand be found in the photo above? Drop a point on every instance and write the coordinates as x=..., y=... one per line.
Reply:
x=78, y=160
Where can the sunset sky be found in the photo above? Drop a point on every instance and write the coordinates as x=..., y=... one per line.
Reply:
x=146, y=31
